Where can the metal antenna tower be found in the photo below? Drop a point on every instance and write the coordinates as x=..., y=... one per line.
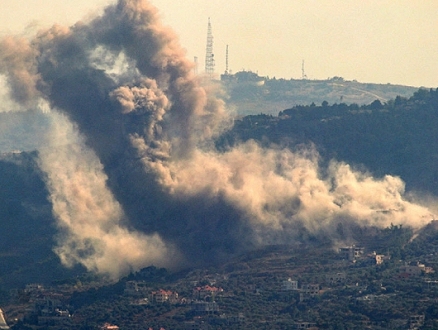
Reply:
x=303, y=74
x=226, y=60
x=209, y=56
x=195, y=69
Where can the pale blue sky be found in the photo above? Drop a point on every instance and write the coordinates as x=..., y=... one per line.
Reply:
x=378, y=41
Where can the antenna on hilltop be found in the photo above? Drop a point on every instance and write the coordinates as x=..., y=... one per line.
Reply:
x=226, y=60
x=195, y=68
x=303, y=74
x=209, y=56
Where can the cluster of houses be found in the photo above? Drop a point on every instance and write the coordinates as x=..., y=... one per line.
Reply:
x=306, y=291
x=202, y=300
x=51, y=308
x=353, y=253
x=414, y=269
x=206, y=292
x=109, y=326
x=47, y=308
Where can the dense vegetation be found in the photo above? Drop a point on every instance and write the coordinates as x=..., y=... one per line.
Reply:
x=250, y=94
x=398, y=137
x=369, y=296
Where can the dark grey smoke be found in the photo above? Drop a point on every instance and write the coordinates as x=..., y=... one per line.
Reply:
x=131, y=173
x=203, y=228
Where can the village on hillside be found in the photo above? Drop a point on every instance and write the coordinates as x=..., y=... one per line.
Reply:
x=295, y=287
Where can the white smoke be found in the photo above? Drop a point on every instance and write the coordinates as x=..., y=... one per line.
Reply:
x=89, y=217
x=277, y=188
x=17, y=63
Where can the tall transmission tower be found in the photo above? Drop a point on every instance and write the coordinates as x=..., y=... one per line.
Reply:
x=209, y=56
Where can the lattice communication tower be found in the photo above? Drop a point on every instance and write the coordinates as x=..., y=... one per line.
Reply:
x=209, y=56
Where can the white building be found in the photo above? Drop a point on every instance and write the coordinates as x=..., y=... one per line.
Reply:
x=162, y=296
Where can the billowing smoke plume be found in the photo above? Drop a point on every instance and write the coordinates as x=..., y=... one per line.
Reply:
x=138, y=182
x=89, y=217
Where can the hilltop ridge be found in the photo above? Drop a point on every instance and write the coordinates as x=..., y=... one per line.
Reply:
x=249, y=94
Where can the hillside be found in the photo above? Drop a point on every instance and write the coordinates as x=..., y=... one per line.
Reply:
x=277, y=287
x=27, y=225
x=395, y=137
x=246, y=93
x=398, y=137
x=250, y=94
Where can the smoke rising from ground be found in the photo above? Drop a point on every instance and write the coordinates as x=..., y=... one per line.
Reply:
x=137, y=181
x=89, y=218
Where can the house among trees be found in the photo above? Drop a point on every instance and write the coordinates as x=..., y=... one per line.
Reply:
x=205, y=307
x=136, y=289
x=236, y=319
x=162, y=296
x=49, y=309
x=206, y=292
x=351, y=253
x=308, y=291
x=49, y=304
x=289, y=285
x=416, y=321
x=337, y=278
x=415, y=269
x=377, y=259
x=305, y=325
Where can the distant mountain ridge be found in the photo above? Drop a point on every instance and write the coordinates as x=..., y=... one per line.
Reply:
x=246, y=94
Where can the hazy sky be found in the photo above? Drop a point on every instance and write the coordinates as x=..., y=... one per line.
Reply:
x=382, y=41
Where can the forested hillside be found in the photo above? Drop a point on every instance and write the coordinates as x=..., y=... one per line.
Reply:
x=26, y=224
x=250, y=94
x=398, y=137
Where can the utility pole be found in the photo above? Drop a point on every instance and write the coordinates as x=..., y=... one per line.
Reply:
x=303, y=74
x=226, y=60
x=195, y=69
